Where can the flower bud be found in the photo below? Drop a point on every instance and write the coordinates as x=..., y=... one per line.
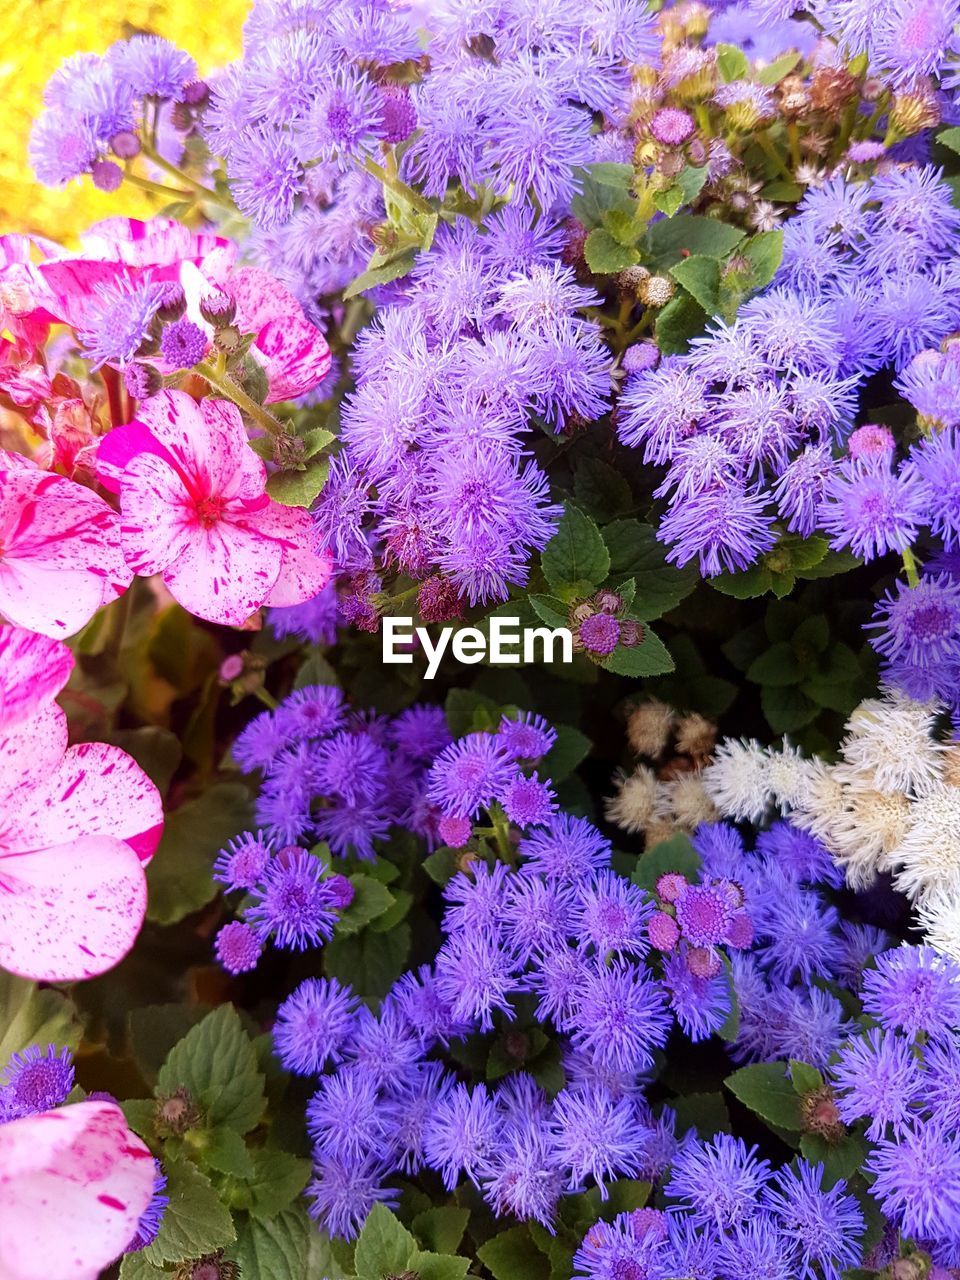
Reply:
x=218, y=308
x=125, y=145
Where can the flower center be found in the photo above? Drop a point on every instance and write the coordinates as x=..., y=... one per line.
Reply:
x=210, y=511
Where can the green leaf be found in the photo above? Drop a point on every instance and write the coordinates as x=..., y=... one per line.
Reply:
x=442, y=1228
x=315, y=670
x=29, y=1015
x=732, y=63
x=385, y=1246
x=669, y=200
x=700, y=276
x=605, y=255
x=787, y=709
x=676, y=854
x=156, y=751
x=705, y=1113
x=217, y=1062
x=635, y=551
x=599, y=196
x=373, y=276
x=512, y=1255
x=805, y=1079
x=774, y=72
x=618, y=176
x=765, y=1089
x=570, y=748
x=370, y=899
x=467, y=710
x=369, y=962
x=764, y=252
x=227, y=1152
x=831, y=563
x=747, y=585
x=397, y=911
x=678, y=322
x=316, y=439
x=777, y=665
x=550, y=610
x=438, y=1266
x=576, y=559
x=278, y=1178
x=649, y=658
x=778, y=189
x=674, y=238
x=442, y=865
x=134, y=1266
x=601, y=491
x=950, y=138
x=840, y=1159
x=275, y=1248
x=179, y=876
x=299, y=488
x=195, y=1221
x=813, y=636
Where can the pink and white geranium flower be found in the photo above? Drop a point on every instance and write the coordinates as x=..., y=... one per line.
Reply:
x=196, y=511
x=73, y=1185
x=60, y=556
x=77, y=825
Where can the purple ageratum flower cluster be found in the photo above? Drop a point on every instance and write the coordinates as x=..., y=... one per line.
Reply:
x=95, y=109
x=436, y=476
x=750, y=423
x=35, y=1080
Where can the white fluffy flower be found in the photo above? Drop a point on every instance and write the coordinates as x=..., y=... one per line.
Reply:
x=891, y=739
x=636, y=801
x=789, y=775
x=939, y=918
x=928, y=856
x=736, y=780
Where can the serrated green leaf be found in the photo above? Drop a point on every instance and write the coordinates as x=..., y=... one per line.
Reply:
x=620, y=177
x=778, y=665
x=831, y=563
x=370, y=899
x=299, y=488
x=676, y=854
x=674, y=238
x=950, y=138
x=134, y=1266
x=747, y=585
x=775, y=71
x=439, y=1266
x=226, y=1152
x=373, y=276
x=669, y=200
x=840, y=1160
x=649, y=658
x=764, y=252
x=550, y=610
x=217, y=1063
x=732, y=63
x=680, y=320
x=400, y=908
x=139, y=1113
x=179, y=876
x=195, y=1222
x=765, y=1089
x=803, y=1077
x=385, y=1246
x=570, y=748
x=276, y=1181
x=369, y=962
x=635, y=551
x=316, y=439
x=29, y=1015
x=315, y=670
x=441, y=1228
x=512, y=1255
x=787, y=709
x=601, y=491
x=576, y=558
x=598, y=197
x=605, y=255
x=700, y=277
x=274, y=1248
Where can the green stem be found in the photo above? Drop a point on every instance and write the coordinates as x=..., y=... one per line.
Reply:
x=226, y=385
x=158, y=188
x=766, y=145
x=910, y=567
x=399, y=188
x=197, y=189
x=793, y=136
x=266, y=697
x=501, y=833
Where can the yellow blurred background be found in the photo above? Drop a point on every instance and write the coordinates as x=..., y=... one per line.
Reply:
x=35, y=37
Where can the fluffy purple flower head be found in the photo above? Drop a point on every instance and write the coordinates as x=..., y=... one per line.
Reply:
x=823, y=1225
x=527, y=801
x=343, y=1118
x=935, y=463
x=594, y=1136
x=870, y=509
x=526, y=737
x=148, y=1228
x=461, y=1134
x=477, y=975
x=612, y=915
x=920, y=625
x=183, y=344
x=567, y=849
x=700, y=1002
x=915, y=990
x=35, y=1080
x=599, y=634
x=345, y=121
x=266, y=178
x=314, y=621
x=672, y=127
x=917, y=1180
x=467, y=775
x=621, y=1016
x=117, y=320
x=720, y=1182
x=153, y=67
x=705, y=913
x=314, y=711
x=60, y=150
x=342, y=1193
x=312, y=1025
x=726, y=527
x=293, y=903
x=238, y=947
x=880, y=1078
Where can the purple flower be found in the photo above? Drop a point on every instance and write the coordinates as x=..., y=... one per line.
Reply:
x=920, y=625
x=183, y=344
x=343, y=1118
x=870, y=509
x=518, y=239
x=312, y=1025
x=612, y=1250
x=350, y=766
x=918, y=1180
x=880, y=1078
x=476, y=974
x=60, y=149
x=700, y=1004
x=314, y=621
x=914, y=989
x=823, y=1225
x=292, y=902
x=384, y=1047
x=345, y=119
x=557, y=974
x=117, y=320
x=242, y=863
x=661, y=407
x=266, y=177
x=342, y=1193
x=718, y=1182
x=527, y=800
x=705, y=913
x=35, y=1080
x=150, y=1220
x=461, y=1134
x=621, y=1016
x=726, y=527
x=238, y=948
x=467, y=775
x=527, y=737
x=420, y=732
x=611, y=916
x=152, y=67
x=524, y=1178
x=259, y=744
x=754, y=1249
x=934, y=463
x=594, y=1136
x=313, y=711
x=568, y=849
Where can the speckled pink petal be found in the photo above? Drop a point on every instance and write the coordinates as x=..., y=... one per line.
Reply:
x=159, y=242
x=73, y=1185
x=72, y=911
x=29, y=752
x=97, y=789
x=295, y=356
x=157, y=521
x=118, y=448
x=302, y=571
x=61, y=558
x=33, y=669
x=226, y=573
x=260, y=298
x=207, y=443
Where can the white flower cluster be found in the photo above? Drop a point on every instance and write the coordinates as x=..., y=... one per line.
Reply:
x=891, y=802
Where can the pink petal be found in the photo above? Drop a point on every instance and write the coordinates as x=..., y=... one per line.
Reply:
x=72, y=911
x=225, y=573
x=61, y=552
x=28, y=753
x=73, y=1185
x=118, y=448
x=96, y=790
x=159, y=242
x=303, y=571
x=157, y=515
x=260, y=298
x=294, y=354
x=207, y=443
x=33, y=669
x=71, y=283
